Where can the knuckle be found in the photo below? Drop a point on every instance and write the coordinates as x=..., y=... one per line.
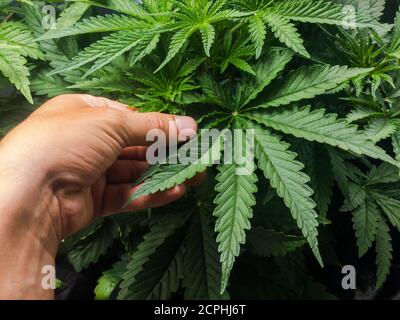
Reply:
x=155, y=120
x=160, y=121
x=114, y=116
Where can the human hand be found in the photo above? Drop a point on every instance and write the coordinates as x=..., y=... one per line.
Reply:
x=72, y=160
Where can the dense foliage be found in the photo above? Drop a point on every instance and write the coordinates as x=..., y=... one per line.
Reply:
x=317, y=80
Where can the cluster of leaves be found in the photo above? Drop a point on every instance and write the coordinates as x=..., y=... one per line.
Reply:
x=240, y=64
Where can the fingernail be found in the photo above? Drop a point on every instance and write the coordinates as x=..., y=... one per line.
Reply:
x=186, y=126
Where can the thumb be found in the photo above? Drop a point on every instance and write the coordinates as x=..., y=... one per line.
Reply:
x=137, y=128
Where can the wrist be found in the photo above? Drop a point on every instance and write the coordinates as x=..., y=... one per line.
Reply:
x=29, y=231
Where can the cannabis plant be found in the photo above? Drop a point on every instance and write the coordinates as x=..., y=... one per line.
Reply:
x=317, y=116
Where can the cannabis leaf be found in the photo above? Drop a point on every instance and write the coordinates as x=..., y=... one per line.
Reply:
x=87, y=251
x=195, y=16
x=308, y=82
x=285, y=175
x=202, y=156
x=201, y=268
x=324, y=128
x=383, y=251
x=17, y=43
x=365, y=220
x=234, y=202
x=276, y=243
x=166, y=268
x=110, y=279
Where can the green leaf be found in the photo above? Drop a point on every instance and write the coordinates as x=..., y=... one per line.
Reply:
x=155, y=269
x=265, y=71
x=267, y=243
x=18, y=38
x=340, y=171
x=357, y=195
x=360, y=113
x=395, y=43
x=322, y=11
x=384, y=173
x=307, y=83
x=374, y=8
x=71, y=14
x=107, y=84
x=201, y=268
x=321, y=176
x=177, y=42
x=383, y=252
x=208, y=36
x=257, y=32
x=396, y=145
x=234, y=201
x=90, y=249
x=241, y=65
x=365, y=224
x=202, y=156
x=102, y=52
x=286, y=32
x=379, y=129
x=13, y=67
x=285, y=175
x=110, y=279
x=145, y=47
x=50, y=86
x=82, y=234
x=324, y=128
x=129, y=7
x=106, y=23
x=237, y=54
x=389, y=206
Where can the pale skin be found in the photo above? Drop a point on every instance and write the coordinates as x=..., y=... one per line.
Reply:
x=74, y=159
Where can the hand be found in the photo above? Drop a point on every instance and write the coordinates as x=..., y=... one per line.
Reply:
x=72, y=160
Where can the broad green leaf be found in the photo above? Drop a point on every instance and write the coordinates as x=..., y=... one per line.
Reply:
x=257, y=32
x=155, y=269
x=90, y=249
x=383, y=252
x=384, y=173
x=208, y=37
x=267, y=243
x=396, y=145
x=285, y=31
x=18, y=38
x=265, y=70
x=177, y=42
x=234, y=202
x=202, y=156
x=307, y=83
x=389, y=206
x=71, y=14
x=324, y=12
x=365, y=224
x=106, y=23
x=291, y=183
x=13, y=67
x=201, y=268
x=324, y=128
x=379, y=129
x=110, y=279
x=102, y=52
